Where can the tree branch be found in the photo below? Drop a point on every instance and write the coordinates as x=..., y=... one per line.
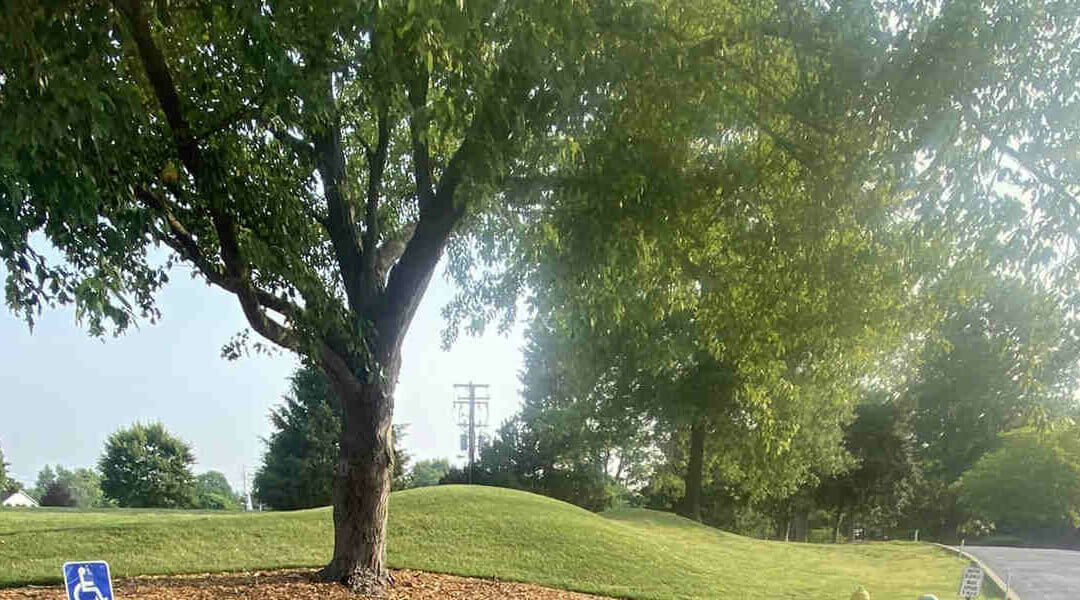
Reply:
x=187, y=246
x=1027, y=163
x=418, y=132
x=341, y=221
x=410, y=276
x=237, y=270
x=373, y=282
x=298, y=146
x=157, y=71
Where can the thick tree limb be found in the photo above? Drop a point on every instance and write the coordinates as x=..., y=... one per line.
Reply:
x=157, y=72
x=418, y=131
x=237, y=270
x=341, y=220
x=373, y=282
x=410, y=276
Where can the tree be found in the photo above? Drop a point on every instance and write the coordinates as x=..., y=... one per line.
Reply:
x=402, y=476
x=737, y=268
x=1003, y=359
x=516, y=459
x=877, y=488
x=571, y=439
x=145, y=466
x=763, y=259
x=315, y=161
x=298, y=466
x=45, y=478
x=57, y=494
x=77, y=487
x=428, y=472
x=212, y=491
x=1029, y=486
x=7, y=484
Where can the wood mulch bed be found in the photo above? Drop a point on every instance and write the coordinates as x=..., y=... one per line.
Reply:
x=301, y=584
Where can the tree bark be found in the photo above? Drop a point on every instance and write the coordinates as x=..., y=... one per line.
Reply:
x=837, y=524
x=691, y=504
x=362, y=486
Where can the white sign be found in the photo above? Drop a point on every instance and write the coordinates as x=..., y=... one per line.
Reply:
x=971, y=584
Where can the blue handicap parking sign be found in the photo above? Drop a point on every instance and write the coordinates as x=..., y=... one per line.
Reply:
x=88, y=580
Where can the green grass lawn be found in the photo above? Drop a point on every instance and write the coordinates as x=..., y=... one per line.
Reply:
x=485, y=532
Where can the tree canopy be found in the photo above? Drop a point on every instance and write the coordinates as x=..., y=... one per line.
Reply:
x=1029, y=485
x=315, y=162
x=145, y=466
x=1001, y=359
x=212, y=491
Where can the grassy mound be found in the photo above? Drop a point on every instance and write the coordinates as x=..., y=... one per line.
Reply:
x=485, y=532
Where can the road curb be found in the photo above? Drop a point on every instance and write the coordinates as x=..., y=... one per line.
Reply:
x=1009, y=595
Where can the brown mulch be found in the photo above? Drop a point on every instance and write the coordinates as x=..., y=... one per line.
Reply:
x=301, y=584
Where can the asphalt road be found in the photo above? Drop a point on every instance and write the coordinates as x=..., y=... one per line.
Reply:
x=1036, y=574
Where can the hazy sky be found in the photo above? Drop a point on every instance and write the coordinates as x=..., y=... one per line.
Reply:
x=62, y=392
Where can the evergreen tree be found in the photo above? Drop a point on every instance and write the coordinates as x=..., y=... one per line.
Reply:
x=302, y=451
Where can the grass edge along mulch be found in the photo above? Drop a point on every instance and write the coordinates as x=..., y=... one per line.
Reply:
x=302, y=584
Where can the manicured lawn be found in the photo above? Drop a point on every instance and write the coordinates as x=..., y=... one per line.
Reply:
x=484, y=532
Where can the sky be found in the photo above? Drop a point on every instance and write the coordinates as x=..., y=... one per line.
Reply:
x=62, y=392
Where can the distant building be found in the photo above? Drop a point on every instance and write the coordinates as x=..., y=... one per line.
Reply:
x=18, y=499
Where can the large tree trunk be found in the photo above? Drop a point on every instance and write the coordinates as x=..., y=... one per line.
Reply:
x=362, y=487
x=691, y=504
x=837, y=524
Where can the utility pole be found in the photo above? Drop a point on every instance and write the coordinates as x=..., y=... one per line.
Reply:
x=243, y=485
x=465, y=407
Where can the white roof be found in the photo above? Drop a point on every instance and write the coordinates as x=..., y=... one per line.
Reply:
x=18, y=499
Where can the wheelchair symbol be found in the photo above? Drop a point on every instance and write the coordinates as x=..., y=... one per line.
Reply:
x=86, y=586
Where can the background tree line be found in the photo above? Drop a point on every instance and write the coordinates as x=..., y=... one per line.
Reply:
x=950, y=436
x=959, y=424
x=142, y=466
